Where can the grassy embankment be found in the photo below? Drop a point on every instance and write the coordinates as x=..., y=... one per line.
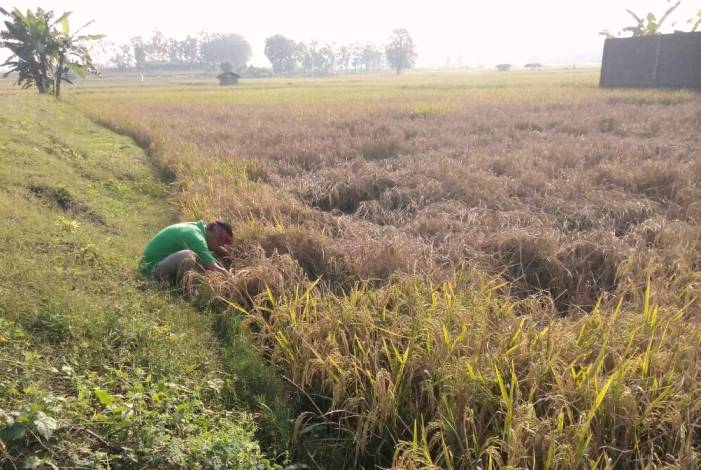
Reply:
x=400, y=193
x=97, y=368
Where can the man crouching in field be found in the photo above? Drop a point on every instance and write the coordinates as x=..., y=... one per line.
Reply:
x=181, y=247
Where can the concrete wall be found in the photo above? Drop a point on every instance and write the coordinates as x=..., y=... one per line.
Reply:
x=665, y=60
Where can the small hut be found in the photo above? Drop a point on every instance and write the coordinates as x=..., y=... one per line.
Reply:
x=228, y=78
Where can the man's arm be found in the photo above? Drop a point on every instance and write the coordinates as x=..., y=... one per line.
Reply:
x=204, y=255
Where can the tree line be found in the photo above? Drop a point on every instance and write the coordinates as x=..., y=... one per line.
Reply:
x=209, y=51
x=161, y=52
x=46, y=53
x=314, y=58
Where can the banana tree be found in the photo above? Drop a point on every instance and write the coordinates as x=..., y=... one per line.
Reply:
x=650, y=25
x=73, y=54
x=43, y=55
x=29, y=39
x=696, y=22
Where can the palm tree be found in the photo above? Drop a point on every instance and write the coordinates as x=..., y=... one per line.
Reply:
x=42, y=55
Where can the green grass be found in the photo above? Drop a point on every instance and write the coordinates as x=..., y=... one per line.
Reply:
x=99, y=369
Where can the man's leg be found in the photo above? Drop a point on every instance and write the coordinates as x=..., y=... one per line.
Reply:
x=174, y=266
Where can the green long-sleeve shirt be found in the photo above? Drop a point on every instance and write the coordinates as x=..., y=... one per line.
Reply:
x=184, y=236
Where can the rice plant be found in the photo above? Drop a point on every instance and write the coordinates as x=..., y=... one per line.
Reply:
x=455, y=272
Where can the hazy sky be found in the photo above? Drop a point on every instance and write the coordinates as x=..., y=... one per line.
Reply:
x=482, y=32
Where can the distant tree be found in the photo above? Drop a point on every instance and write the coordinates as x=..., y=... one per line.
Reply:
x=174, y=52
x=137, y=45
x=225, y=47
x=356, y=55
x=325, y=59
x=343, y=57
x=126, y=57
x=156, y=48
x=282, y=53
x=503, y=67
x=304, y=56
x=371, y=57
x=226, y=66
x=533, y=65
x=190, y=50
x=42, y=55
x=401, y=50
x=116, y=56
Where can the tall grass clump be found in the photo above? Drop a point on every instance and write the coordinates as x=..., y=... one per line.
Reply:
x=455, y=375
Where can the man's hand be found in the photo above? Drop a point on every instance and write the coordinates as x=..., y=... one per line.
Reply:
x=220, y=252
x=216, y=267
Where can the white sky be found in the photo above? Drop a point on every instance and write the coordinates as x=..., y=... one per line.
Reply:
x=483, y=32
